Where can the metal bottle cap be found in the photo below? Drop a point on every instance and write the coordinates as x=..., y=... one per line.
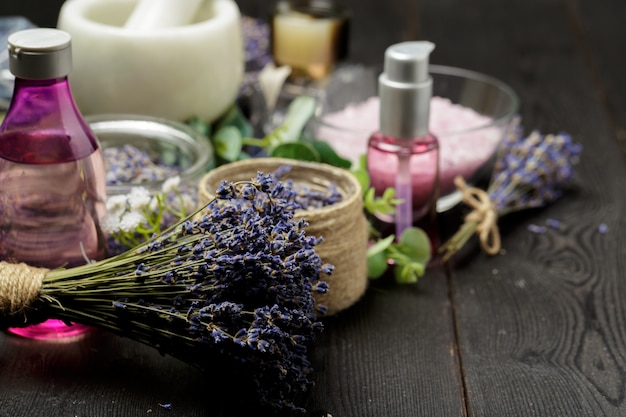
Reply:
x=40, y=53
x=405, y=90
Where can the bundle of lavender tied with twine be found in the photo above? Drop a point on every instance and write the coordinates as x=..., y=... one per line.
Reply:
x=530, y=172
x=237, y=284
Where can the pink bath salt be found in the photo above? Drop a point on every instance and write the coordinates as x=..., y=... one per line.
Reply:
x=466, y=138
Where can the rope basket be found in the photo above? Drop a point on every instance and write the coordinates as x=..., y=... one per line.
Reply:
x=342, y=225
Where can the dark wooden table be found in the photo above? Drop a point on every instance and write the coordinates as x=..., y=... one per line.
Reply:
x=539, y=331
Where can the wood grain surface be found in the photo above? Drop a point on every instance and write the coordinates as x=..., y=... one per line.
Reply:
x=540, y=329
x=537, y=331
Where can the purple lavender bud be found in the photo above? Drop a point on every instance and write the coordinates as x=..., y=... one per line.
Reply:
x=553, y=224
x=536, y=229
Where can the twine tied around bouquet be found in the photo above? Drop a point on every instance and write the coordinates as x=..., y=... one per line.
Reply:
x=19, y=289
x=483, y=213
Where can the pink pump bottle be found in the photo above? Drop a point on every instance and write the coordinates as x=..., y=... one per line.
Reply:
x=404, y=154
x=53, y=193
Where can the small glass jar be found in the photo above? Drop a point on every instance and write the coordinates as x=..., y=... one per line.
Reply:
x=169, y=144
x=310, y=36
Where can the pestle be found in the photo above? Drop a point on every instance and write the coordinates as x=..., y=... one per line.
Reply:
x=158, y=14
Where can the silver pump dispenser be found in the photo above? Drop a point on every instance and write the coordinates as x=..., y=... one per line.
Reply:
x=405, y=90
x=40, y=53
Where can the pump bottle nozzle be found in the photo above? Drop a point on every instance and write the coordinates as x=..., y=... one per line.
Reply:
x=405, y=89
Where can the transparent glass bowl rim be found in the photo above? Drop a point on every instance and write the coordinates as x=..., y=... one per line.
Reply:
x=460, y=73
x=164, y=130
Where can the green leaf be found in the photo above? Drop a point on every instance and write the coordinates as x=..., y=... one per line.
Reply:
x=376, y=265
x=243, y=156
x=397, y=256
x=368, y=200
x=296, y=150
x=410, y=255
x=408, y=273
x=380, y=246
x=228, y=142
x=362, y=163
x=389, y=195
x=415, y=243
x=200, y=126
x=329, y=156
x=377, y=257
x=300, y=110
x=363, y=178
x=381, y=205
x=234, y=117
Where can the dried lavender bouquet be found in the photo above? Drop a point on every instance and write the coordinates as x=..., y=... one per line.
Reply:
x=238, y=283
x=530, y=172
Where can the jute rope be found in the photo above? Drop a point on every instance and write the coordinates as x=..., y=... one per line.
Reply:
x=484, y=213
x=345, y=233
x=19, y=288
x=343, y=225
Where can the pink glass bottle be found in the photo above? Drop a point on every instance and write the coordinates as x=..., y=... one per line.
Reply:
x=403, y=154
x=53, y=191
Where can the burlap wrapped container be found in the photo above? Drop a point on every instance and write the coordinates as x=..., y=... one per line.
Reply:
x=342, y=225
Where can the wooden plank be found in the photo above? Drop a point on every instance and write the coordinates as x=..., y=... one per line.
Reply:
x=99, y=375
x=600, y=31
x=541, y=329
x=392, y=354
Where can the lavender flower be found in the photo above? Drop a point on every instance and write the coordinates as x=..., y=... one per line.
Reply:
x=553, y=224
x=238, y=283
x=535, y=228
x=530, y=172
x=308, y=198
x=257, y=51
x=131, y=165
x=257, y=43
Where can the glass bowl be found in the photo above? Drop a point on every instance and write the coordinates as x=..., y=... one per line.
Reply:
x=470, y=114
x=172, y=146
